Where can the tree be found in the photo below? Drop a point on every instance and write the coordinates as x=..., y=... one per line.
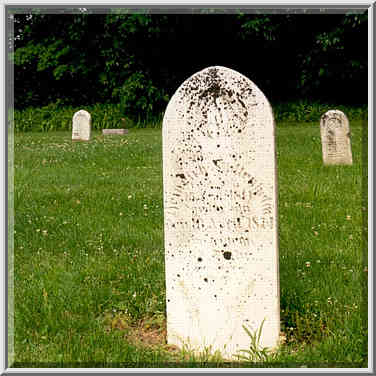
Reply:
x=140, y=59
x=336, y=64
x=84, y=58
x=321, y=54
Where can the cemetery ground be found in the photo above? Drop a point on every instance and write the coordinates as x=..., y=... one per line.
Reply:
x=89, y=283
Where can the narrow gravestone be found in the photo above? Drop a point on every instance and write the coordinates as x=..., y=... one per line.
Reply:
x=114, y=131
x=81, y=127
x=335, y=138
x=220, y=214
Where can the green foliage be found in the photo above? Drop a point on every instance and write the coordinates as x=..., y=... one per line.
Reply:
x=55, y=117
x=336, y=56
x=82, y=58
x=306, y=111
x=128, y=114
x=85, y=58
x=255, y=353
x=140, y=99
x=262, y=27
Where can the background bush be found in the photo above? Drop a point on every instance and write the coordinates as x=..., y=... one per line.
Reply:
x=59, y=117
x=305, y=111
x=140, y=99
x=56, y=117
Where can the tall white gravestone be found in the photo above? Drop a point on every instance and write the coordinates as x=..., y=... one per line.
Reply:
x=220, y=214
x=335, y=138
x=81, y=126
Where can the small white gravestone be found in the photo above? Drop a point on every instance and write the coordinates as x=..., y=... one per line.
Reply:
x=220, y=214
x=81, y=127
x=335, y=138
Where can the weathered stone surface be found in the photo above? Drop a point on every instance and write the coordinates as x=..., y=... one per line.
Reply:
x=114, y=131
x=335, y=138
x=81, y=127
x=220, y=213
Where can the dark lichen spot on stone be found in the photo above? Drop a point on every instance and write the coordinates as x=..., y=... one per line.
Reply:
x=199, y=259
x=212, y=82
x=205, y=279
x=241, y=102
x=227, y=255
x=180, y=176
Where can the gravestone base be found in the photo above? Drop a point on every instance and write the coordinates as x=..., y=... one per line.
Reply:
x=114, y=131
x=227, y=353
x=202, y=347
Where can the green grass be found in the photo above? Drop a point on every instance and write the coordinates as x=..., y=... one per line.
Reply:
x=89, y=285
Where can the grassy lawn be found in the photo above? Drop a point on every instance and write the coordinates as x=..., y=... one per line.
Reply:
x=89, y=287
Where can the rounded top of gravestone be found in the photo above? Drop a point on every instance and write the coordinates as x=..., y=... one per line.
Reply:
x=214, y=82
x=333, y=119
x=218, y=91
x=82, y=113
x=333, y=114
